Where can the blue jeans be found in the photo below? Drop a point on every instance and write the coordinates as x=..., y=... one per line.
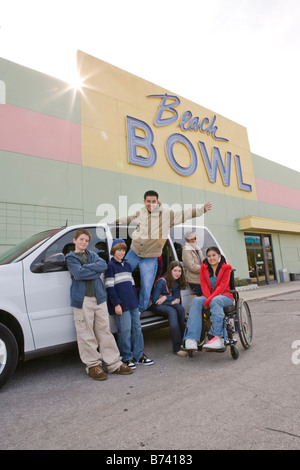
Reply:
x=130, y=336
x=148, y=269
x=195, y=288
x=176, y=316
x=194, y=323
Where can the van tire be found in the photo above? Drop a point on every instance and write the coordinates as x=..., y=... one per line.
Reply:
x=9, y=353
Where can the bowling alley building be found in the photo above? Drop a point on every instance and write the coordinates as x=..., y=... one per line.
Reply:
x=80, y=155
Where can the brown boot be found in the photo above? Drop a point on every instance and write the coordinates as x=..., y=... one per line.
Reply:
x=97, y=373
x=123, y=370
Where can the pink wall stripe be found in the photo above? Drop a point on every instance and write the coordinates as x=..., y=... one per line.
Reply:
x=32, y=133
x=274, y=193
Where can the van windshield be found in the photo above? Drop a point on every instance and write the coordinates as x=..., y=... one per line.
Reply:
x=22, y=249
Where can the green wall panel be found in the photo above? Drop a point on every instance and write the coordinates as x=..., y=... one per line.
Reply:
x=31, y=180
x=271, y=171
x=33, y=90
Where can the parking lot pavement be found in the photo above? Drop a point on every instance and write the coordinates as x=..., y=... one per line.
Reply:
x=209, y=401
x=262, y=292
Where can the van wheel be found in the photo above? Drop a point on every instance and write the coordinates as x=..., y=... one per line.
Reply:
x=8, y=354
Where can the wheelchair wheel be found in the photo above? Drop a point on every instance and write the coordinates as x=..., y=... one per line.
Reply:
x=234, y=352
x=244, y=323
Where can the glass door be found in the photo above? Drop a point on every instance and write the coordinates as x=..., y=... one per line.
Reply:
x=260, y=258
x=260, y=266
x=269, y=258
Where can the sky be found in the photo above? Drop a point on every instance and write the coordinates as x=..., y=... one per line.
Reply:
x=238, y=58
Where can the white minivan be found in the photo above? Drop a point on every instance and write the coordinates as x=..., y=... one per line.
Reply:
x=36, y=318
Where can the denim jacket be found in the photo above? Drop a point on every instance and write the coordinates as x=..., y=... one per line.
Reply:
x=161, y=289
x=80, y=273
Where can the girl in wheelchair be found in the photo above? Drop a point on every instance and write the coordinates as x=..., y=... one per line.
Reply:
x=215, y=285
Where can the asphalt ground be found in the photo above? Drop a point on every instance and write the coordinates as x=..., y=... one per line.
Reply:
x=207, y=402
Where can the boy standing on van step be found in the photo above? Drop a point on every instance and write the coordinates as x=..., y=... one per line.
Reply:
x=148, y=239
x=123, y=304
x=96, y=344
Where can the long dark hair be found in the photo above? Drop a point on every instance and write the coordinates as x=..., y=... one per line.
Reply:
x=169, y=278
x=222, y=260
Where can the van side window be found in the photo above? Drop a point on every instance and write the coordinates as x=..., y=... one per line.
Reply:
x=204, y=238
x=65, y=244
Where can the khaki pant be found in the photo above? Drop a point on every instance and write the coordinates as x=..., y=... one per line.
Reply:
x=96, y=343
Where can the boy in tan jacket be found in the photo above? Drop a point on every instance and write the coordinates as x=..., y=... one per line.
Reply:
x=148, y=239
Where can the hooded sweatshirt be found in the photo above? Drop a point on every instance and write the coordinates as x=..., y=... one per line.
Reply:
x=222, y=286
x=81, y=273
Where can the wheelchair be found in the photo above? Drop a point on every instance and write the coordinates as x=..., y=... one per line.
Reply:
x=237, y=320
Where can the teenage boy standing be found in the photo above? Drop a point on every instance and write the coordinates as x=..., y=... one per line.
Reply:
x=88, y=298
x=123, y=304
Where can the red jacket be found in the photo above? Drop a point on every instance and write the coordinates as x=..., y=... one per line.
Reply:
x=222, y=285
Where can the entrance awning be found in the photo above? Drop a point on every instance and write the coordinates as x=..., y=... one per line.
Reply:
x=252, y=223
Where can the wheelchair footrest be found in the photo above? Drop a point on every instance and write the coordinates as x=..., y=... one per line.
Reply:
x=216, y=350
x=230, y=342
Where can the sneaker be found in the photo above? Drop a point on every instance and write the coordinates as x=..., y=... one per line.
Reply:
x=130, y=364
x=97, y=373
x=144, y=360
x=123, y=370
x=191, y=344
x=181, y=353
x=215, y=344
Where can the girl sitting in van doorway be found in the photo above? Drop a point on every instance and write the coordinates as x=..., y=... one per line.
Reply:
x=166, y=302
x=215, y=285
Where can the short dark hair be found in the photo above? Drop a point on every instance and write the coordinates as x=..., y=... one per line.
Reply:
x=151, y=192
x=82, y=231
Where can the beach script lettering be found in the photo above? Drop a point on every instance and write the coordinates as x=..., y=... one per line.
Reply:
x=140, y=135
